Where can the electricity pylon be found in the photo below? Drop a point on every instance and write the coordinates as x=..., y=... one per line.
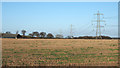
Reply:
x=71, y=31
x=98, y=27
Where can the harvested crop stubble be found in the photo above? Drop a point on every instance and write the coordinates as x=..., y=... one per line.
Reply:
x=56, y=52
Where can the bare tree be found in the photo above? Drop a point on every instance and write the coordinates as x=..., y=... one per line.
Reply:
x=36, y=34
x=49, y=35
x=42, y=34
x=23, y=32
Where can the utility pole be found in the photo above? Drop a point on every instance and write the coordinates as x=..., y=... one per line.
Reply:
x=98, y=28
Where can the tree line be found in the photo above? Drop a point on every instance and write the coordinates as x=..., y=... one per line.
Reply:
x=50, y=35
x=37, y=34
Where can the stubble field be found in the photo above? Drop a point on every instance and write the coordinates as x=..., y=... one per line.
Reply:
x=59, y=52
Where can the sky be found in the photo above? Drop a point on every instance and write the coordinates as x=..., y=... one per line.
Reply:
x=57, y=17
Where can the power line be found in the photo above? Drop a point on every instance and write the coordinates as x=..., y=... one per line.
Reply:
x=84, y=28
